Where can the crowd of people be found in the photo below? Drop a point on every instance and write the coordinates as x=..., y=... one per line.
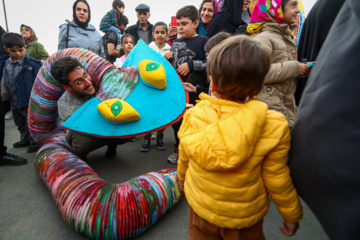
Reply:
x=239, y=64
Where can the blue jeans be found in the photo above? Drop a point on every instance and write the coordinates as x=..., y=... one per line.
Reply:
x=115, y=30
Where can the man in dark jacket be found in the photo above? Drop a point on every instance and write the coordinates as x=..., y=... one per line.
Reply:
x=142, y=29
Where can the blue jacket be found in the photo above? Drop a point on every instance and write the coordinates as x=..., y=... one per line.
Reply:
x=88, y=38
x=24, y=80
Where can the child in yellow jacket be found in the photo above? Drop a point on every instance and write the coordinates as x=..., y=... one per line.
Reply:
x=233, y=150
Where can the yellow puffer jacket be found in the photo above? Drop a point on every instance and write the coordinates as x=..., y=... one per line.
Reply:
x=231, y=157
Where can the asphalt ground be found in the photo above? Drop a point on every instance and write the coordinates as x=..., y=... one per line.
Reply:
x=28, y=211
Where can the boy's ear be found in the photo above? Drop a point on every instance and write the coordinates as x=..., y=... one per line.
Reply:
x=214, y=87
x=196, y=23
x=6, y=49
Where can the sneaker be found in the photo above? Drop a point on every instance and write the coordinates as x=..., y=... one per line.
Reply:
x=153, y=136
x=111, y=152
x=32, y=149
x=118, y=47
x=146, y=145
x=9, y=115
x=133, y=140
x=11, y=159
x=173, y=158
x=160, y=144
x=22, y=143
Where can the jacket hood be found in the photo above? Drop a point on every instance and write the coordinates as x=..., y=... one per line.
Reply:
x=228, y=130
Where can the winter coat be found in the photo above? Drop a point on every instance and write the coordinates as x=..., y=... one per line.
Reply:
x=24, y=80
x=36, y=50
x=280, y=82
x=88, y=38
x=133, y=31
x=231, y=157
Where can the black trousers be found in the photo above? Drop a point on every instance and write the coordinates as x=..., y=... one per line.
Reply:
x=2, y=129
x=20, y=119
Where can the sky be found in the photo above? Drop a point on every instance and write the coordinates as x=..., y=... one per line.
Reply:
x=45, y=16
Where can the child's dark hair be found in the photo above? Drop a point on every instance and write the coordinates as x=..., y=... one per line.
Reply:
x=283, y=3
x=61, y=68
x=160, y=24
x=238, y=66
x=13, y=40
x=123, y=20
x=126, y=35
x=189, y=11
x=118, y=3
x=216, y=39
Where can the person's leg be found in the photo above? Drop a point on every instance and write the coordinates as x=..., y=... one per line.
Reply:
x=7, y=158
x=115, y=30
x=160, y=140
x=254, y=232
x=82, y=144
x=33, y=147
x=146, y=144
x=173, y=158
x=2, y=129
x=21, y=123
x=200, y=229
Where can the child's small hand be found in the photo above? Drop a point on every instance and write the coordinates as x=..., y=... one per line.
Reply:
x=182, y=186
x=183, y=69
x=289, y=229
x=304, y=69
x=189, y=87
x=169, y=55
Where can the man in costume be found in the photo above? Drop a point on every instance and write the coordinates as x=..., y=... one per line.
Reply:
x=78, y=90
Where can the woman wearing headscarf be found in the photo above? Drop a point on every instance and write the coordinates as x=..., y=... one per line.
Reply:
x=34, y=49
x=79, y=33
x=206, y=12
x=230, y=18
x=272, y=22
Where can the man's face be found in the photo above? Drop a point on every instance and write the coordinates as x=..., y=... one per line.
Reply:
x=80, y=83
x=143, y=16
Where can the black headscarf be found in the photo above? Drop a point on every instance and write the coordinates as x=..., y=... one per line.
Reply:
x=76, y=20
x=229, y=19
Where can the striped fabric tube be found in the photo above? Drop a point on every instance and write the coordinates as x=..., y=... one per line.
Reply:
x=89, y=205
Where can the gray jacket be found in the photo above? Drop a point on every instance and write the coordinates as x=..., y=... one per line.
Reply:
x=88, y=38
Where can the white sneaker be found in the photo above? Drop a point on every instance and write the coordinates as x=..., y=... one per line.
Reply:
x=173, y=158
x=9, y=115
x=118, y=47
x=153, y=136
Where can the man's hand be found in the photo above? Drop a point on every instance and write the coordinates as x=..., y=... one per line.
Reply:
x=169, y=55
x=183, y=69
x=289, y=229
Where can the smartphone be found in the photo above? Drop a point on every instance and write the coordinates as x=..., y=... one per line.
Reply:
x=311, y=65
x=173, y=21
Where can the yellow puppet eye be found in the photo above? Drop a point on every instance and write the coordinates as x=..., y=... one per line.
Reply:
x=118, y=111
x=153, y=74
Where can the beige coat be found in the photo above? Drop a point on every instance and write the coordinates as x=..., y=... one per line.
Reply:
x=280, y=82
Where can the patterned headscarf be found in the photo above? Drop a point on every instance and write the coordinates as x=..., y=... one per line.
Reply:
x=265, y=11
x=32, y=34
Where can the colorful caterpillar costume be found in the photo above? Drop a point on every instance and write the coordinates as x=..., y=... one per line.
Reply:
x=89, y=205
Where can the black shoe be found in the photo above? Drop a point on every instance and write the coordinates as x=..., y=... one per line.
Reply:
x=111, y=152
x=160, y=144
x=11, y=159
x=22, y=143
x=146, y=145
x=32, y=149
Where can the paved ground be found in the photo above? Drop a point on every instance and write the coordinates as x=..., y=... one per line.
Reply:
x=27, y=210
